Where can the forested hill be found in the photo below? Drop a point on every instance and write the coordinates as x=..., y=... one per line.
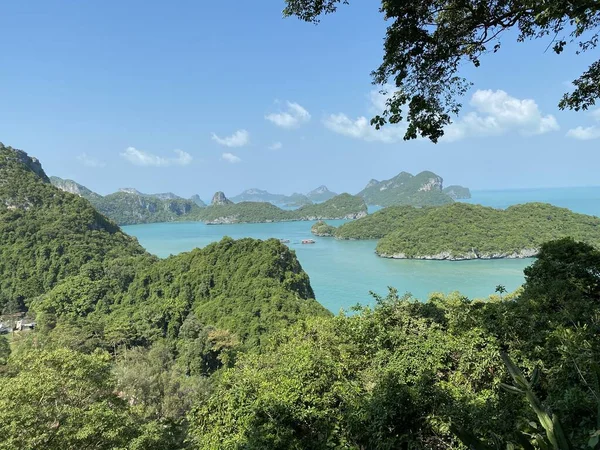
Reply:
x=129, y=206
x=423, y=189
x=464, y=231
x=68, y=262
x=47, y=234
x=343, y=206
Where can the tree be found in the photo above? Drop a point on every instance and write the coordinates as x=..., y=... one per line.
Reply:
x=428, y=41
x=500, y=289
x=61, y=400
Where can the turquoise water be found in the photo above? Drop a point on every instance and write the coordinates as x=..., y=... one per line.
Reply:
x=343, y=272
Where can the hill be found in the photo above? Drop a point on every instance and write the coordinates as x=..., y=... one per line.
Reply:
x=197, y=200
x=74, y=188
x=463, y=231
x=457, y=192
x=47, y=234
x=344, y=206
x=262, y=196
x=127, y=208
x=423, y=189
x=378, y=224
x=320, y=194
x=70, y=263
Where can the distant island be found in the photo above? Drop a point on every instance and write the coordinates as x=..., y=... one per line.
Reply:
x=223, y=211
x=461, y=231
x=423, y=189
x=318, y=195
x=129, y=206
x=321, y=228
x=457, y=192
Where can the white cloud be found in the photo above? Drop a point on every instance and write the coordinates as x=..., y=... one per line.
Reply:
x=90, y=161
x=361, y=128
x=275, y=146
x=231, y=158
x=294, y=116
x=584, y=133
x=496, y=113
x=237, y=139
x=142, y=158
x=587, y=133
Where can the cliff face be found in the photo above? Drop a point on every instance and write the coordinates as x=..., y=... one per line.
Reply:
x=74, y=188
x=220, y=199
x=30, y=162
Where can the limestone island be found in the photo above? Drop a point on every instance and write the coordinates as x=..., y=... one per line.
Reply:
x=461, y=231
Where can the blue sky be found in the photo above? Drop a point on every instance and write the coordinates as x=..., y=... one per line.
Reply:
x=194, y=97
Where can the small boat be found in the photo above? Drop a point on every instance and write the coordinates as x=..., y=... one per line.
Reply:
x=308, y=241
x=284, y=241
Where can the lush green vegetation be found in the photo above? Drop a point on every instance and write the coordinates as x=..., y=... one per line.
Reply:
x=225, y=348
x=321, y=228
x=423, y=189
x=126, y=208
x=461, y=231
x=49, y=235
x=342, y=206
x=378, y=224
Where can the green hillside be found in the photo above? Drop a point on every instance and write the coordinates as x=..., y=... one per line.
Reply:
x=343, y=206
x=463, y=231
x=423, y=189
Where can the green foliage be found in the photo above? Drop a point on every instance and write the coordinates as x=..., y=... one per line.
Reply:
x=47, y=234
x=463, y=231
x=343, y=206
x=248, y=287
x=427, y=44
x=321, y=228
x=423, y=189
x=378, y=224
x=126, y=208
x=59, y=400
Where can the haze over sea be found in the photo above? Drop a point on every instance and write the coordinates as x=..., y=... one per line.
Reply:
x=343, y=272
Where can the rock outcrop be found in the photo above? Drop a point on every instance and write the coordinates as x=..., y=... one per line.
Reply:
x=220, y=199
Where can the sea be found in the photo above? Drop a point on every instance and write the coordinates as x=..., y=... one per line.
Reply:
x=346, y=273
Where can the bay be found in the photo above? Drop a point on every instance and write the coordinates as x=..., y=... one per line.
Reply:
x=342, y=273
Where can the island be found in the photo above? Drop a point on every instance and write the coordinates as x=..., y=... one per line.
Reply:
x=462, y=231
x=128, y=206
x=321, y=228
x=457, y=192
x=343, y=206
x=423, y=189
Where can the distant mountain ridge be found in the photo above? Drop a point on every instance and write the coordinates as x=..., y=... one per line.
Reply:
x=423, y=189
x=320, y=194
x=260, y=195
x=129, y=206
